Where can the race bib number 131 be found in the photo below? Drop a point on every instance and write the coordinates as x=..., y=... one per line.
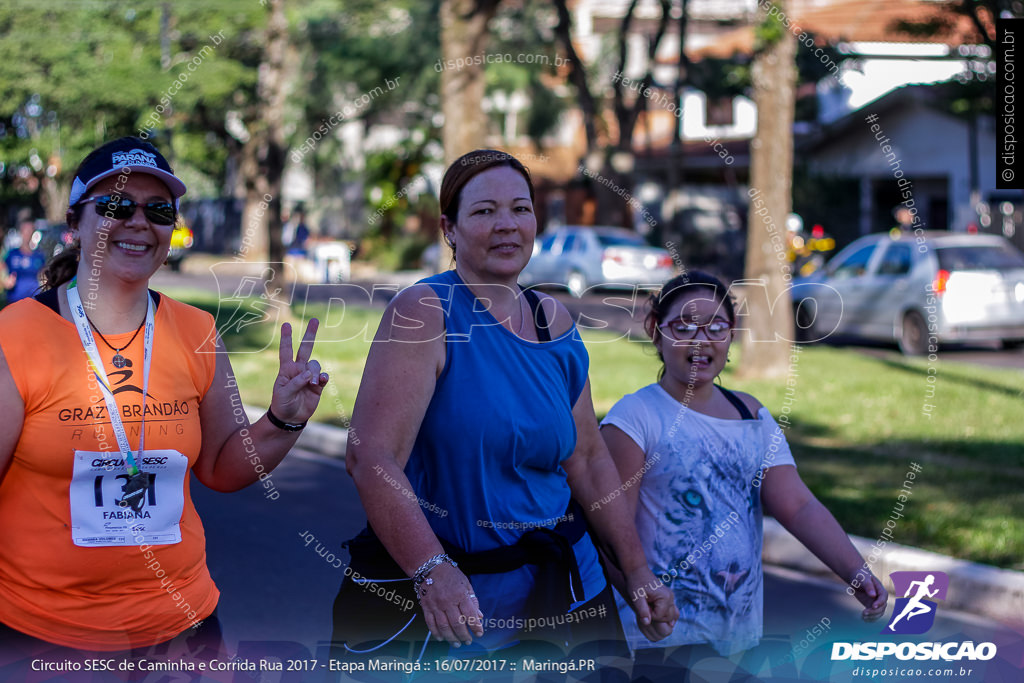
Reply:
x=99, y=519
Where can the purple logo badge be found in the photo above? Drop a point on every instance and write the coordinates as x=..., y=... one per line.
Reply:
x=914, y=613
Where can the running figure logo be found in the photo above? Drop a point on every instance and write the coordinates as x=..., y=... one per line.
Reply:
x=914, y=613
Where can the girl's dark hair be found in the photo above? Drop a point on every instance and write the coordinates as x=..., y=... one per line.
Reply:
x=660, y=302
x=62, y=267
x=467, y=167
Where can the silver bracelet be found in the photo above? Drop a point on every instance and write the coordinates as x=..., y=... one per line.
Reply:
x=420, y=577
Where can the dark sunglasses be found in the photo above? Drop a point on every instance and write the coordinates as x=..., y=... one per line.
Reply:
x=120, y=208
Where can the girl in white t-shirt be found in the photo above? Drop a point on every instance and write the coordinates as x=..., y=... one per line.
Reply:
x=698, y=463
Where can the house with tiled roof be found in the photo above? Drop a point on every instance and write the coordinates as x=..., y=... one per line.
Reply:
x=887, y=44
x=889, y=62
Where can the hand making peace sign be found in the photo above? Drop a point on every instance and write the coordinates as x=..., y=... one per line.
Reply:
x=299, y=382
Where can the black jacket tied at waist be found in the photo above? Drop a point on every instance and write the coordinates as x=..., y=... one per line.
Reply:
x=558, y=585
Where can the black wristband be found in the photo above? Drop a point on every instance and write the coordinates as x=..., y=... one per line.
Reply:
x=286, y=426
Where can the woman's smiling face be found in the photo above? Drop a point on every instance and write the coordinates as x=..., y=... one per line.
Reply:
x=128, y=249
x=495, y=226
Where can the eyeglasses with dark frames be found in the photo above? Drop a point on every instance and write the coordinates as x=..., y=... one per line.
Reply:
x=716, y=330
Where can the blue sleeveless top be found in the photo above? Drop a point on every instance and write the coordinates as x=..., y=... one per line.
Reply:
x=487, y=460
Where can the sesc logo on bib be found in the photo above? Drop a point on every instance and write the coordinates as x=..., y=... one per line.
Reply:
x=99, y=516
x=914, y=613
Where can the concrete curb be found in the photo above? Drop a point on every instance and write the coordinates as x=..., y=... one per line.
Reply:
x=974, y=588
x=325, y=440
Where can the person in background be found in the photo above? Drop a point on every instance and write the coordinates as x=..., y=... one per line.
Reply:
x=476, y=453
x=298, y=244
x=906, y=220
x=112, y=394
x=705, y=462
x=23, y=265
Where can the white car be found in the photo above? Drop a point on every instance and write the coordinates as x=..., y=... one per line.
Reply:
x=917, y=291
x=582, y=257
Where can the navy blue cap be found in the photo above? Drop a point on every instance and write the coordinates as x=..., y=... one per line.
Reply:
x=126, y=153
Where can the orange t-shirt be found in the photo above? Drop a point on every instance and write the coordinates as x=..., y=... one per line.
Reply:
x=102, y=597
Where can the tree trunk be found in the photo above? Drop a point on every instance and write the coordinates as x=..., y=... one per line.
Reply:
x=613, y=208
x=463, y=37
x=263, y=155
x=671, y=223
x=54, y=198
x=577, y=75
x=769, y=315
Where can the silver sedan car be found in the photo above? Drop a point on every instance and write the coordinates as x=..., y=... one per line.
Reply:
x=917, y=290
x=581, y=257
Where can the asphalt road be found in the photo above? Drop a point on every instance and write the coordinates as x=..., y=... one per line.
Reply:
x=988, y=355
x=620, y=312
x=277, y=591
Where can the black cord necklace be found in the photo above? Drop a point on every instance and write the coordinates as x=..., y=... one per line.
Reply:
x=118, y=360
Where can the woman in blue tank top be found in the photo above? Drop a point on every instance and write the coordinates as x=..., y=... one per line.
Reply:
x=475, y=448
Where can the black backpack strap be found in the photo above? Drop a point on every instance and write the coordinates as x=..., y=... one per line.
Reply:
x=739, y=404
x=540, y=319
x=49, y=299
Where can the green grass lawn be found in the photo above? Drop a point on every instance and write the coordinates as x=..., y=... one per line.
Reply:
x=343, y=340
x=857, y=423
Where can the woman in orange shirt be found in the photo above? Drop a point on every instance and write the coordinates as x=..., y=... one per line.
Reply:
x=111, y=394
